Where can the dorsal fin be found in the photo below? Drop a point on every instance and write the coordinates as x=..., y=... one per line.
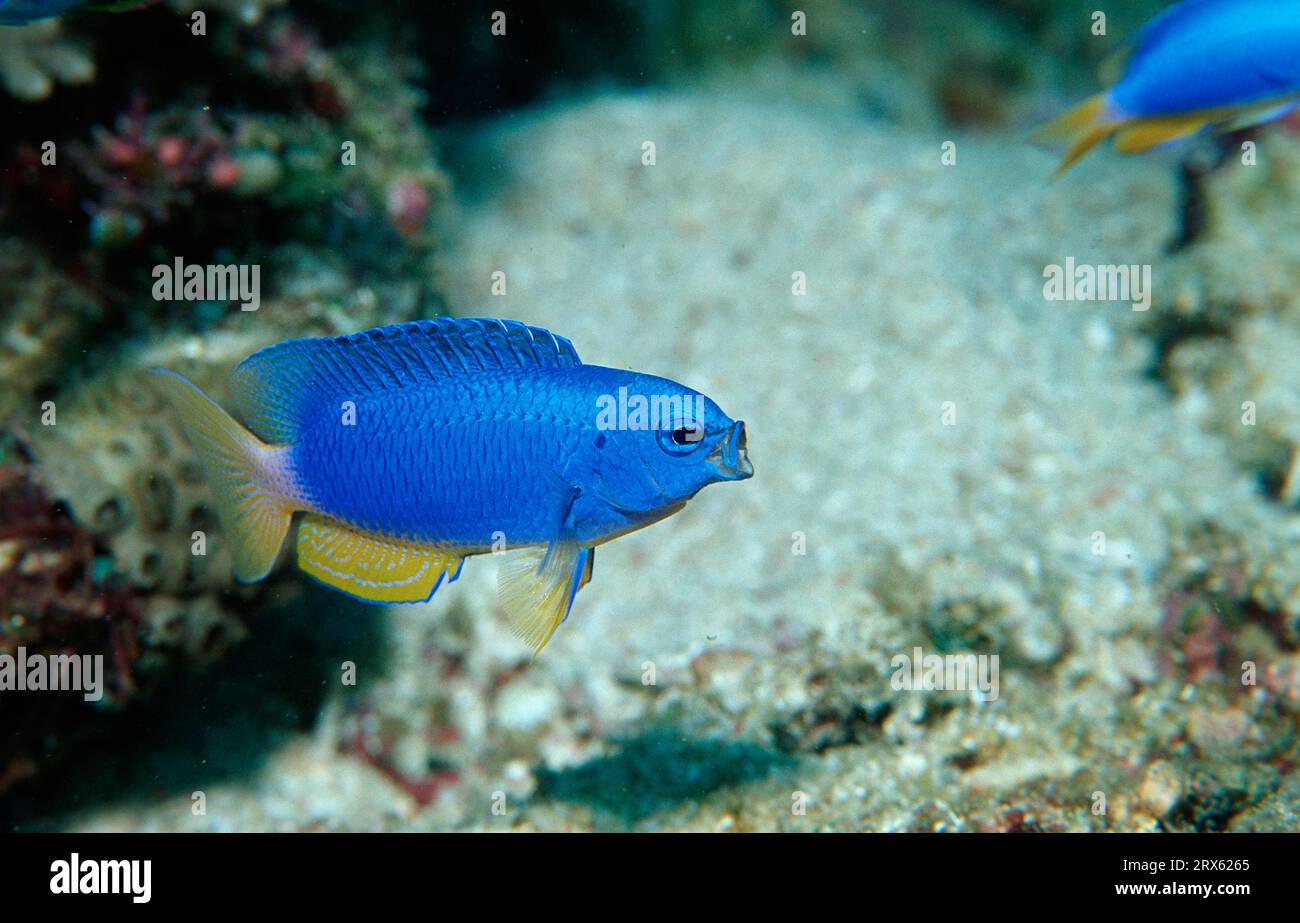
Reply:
x=272, y=385
x=1115, y=65
x=1171, y=18
x=1165, y=25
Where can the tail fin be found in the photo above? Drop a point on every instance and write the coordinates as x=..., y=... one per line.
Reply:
x=1082, y=128
x=248, y=477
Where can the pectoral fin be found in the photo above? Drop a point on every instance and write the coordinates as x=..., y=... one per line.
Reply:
x=588, y=568
x=537, y=587
x=371, y=567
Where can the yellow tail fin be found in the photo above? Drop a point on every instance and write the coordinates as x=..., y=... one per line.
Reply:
x=1082, y=128
x=249, y=479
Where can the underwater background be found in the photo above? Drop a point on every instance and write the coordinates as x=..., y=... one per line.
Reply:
x=828, y=216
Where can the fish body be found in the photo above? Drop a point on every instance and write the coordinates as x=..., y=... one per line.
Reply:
x=1222, y=63
x=22, y=12
x=501, y=451
x=414, y=446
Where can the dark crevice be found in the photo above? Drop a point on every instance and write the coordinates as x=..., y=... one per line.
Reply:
x=820, y=729
x=1168, y=332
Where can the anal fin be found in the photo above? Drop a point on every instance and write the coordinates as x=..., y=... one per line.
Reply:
x=371, y=567
x=1143, y=135
x=537, y=587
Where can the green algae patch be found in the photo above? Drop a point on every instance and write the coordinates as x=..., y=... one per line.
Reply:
x=657, y=771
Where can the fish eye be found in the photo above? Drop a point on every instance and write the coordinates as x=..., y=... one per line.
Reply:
x=685, y=435
x=681, y=441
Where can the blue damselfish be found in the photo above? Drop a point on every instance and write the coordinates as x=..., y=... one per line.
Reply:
x=21, y=12
x=413, y=446
x=1224, y=63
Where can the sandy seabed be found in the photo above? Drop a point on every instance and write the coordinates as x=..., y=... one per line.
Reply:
x=944, y=445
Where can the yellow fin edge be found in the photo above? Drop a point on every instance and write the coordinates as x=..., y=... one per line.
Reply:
x=371, y=567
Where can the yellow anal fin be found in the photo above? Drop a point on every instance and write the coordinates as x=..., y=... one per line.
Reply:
x=371, y=567
x=537, y=587
x=1143, y=135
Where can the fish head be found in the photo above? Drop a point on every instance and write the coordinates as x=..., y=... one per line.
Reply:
x=657, y=445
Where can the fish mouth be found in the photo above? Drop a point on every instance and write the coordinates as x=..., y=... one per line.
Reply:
x=729, y=455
